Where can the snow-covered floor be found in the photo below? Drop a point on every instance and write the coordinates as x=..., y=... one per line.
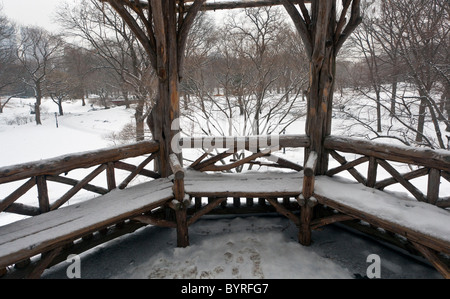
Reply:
x=254, y=247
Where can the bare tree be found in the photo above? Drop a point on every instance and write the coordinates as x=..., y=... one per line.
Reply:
x=424, y=41
x=120, y=51
x=36, y=50
x=8, y=67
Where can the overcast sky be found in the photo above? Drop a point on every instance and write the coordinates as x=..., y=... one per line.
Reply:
x=31, y=12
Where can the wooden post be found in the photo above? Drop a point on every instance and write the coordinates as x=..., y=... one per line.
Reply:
x=306, y=202
x=372, y=172
x=306, y=216
x=180, y=204
x=110, y=176
x=322, y=35
x=198, y=203
x=162, y=32
x=44, y=203
x=434, y=179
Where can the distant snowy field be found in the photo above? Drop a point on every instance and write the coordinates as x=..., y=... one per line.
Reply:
x=240, y=247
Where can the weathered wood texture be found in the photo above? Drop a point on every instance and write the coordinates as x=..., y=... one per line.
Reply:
x=438, y=159
x=51, y=169
x=431, y=162
x=23, y=239
x=67, y=163
x=322, y=34
x=221, y=5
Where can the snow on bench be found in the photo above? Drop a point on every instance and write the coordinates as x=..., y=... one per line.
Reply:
x=248, y=184
x=26, y=238
x=419, y=221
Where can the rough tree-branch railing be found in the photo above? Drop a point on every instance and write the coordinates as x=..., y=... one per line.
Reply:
x=434, y=163
x=39, y=173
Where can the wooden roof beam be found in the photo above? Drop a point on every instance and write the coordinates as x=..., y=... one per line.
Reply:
x=222, y=5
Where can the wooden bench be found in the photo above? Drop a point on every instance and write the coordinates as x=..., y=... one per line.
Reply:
x=48, y=233
x=424, y=225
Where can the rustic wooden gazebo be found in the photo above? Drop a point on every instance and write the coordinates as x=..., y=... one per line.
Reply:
x=308, y=194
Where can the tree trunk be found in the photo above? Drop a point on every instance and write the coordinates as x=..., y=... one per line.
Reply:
x=138, y=116
x=377, y=91
x=393, y=95
x=60, y=107
x=37, y=105
x=421, y=120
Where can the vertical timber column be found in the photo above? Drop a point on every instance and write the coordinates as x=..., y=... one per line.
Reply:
x=323, y=34
x=167, y=107
x=322, y=71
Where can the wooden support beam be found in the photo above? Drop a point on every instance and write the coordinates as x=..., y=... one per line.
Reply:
x=148, y=219
x=309, y=171
x=355, y=173
x=372, y=172
x=73, y=182
x=208, y=208
x=283, y=211
x=316, y=223
x=136, y=171
x=347, y=166
x=410, y=187
x=110, y=176
x=222, y=5
x=129, y=167
x=408, y=176
x=17, y=194
x=306, y=215
x=44, y=202
x=238, y=163
x=69, y=194
x=433, y=259
x=434, y=180
x=47, y=258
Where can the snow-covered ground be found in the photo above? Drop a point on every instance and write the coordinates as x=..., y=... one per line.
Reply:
x=233, y=247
